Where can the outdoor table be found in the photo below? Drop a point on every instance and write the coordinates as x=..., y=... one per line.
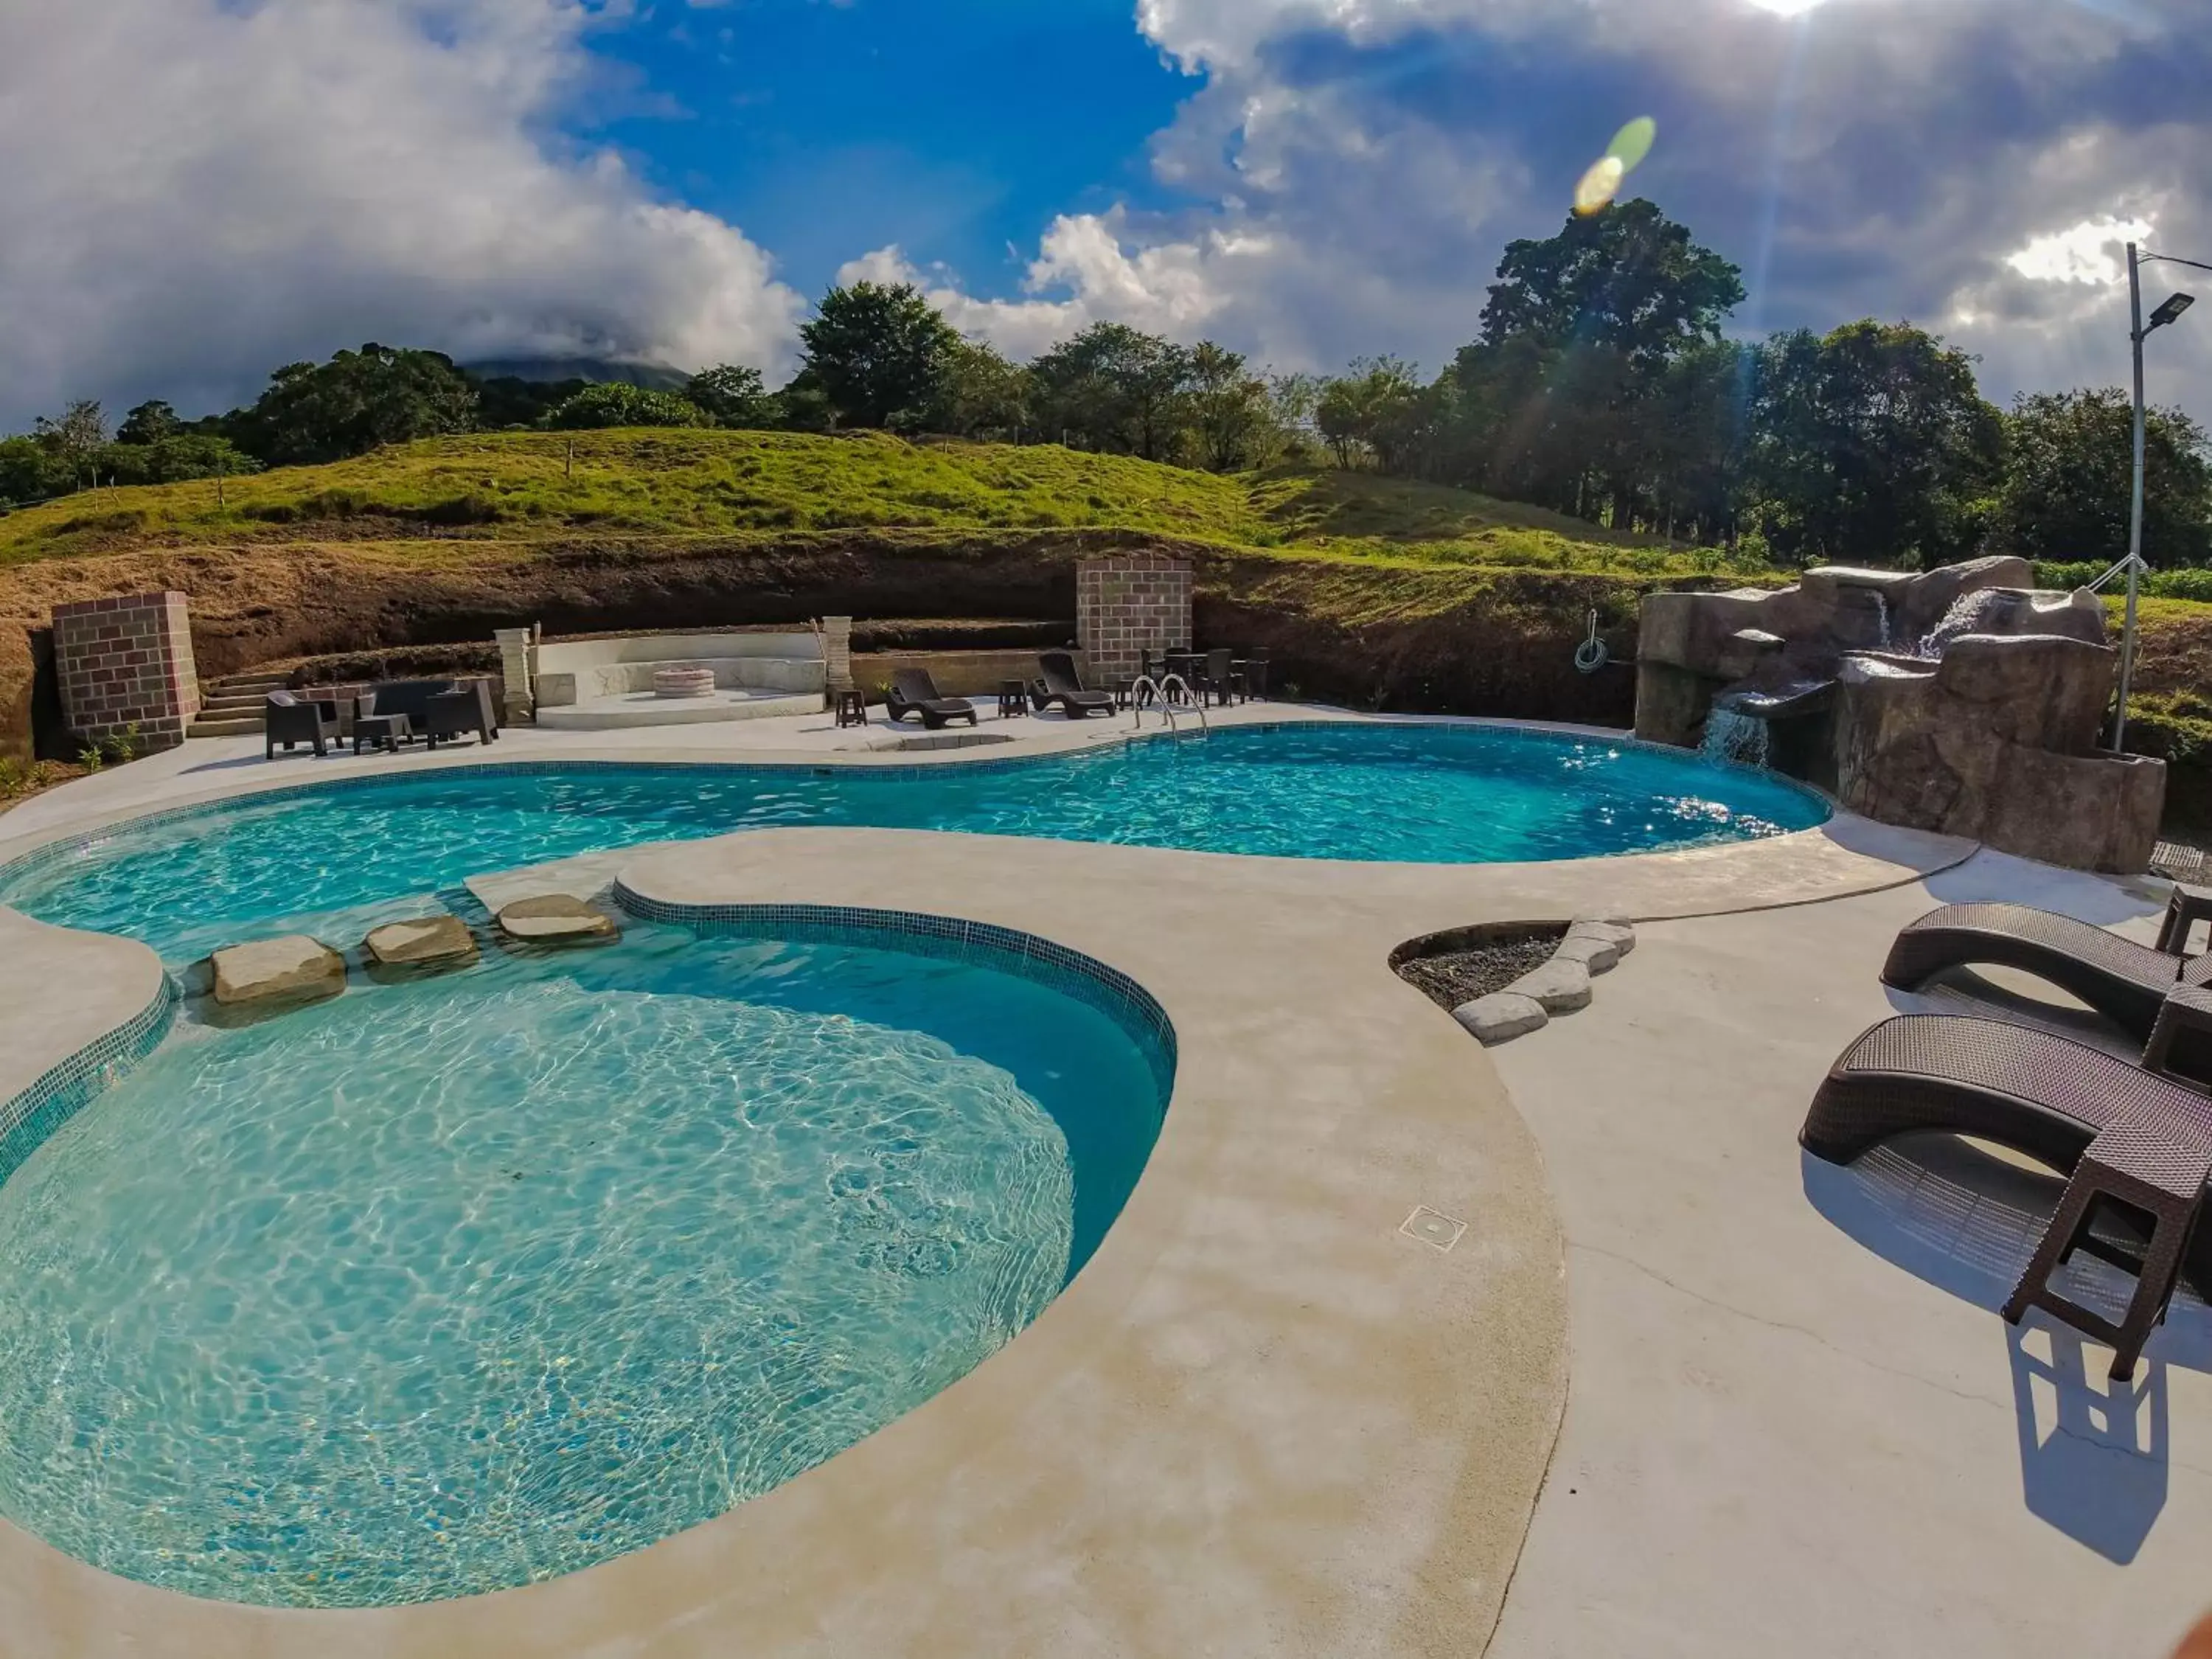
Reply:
x=388, y=731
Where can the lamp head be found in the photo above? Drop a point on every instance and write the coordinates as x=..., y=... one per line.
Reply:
x=2172, y=307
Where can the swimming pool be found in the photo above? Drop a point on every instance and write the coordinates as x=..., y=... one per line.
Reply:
x=331, y=857
x=445, y=1286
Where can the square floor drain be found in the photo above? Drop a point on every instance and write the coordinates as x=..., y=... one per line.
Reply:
x=1430, y=1228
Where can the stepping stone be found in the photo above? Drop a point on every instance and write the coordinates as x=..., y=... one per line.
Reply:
x=1620, y=933
x=422, y=943
x=557, y=919
x=1501, y=1016
x=1561, y=987
x=1598, y=955
x=294, y=968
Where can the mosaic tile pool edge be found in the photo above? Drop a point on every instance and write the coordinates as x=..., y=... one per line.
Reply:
x=1108, y=990
x=30, y=1118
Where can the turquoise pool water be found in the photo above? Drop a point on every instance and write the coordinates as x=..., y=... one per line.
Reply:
x=446, y=1287
x=1452, y=795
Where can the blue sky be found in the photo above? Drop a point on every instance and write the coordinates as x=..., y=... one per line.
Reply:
x=959, y=130
x=226, y=185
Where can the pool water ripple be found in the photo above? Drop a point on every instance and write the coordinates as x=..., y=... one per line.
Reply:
x=1418, y=793
x=439, y=1288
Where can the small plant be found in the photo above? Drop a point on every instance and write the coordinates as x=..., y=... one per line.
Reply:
x=90, y=758
x=120, y=748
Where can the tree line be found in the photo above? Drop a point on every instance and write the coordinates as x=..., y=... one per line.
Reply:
x=1600, y=383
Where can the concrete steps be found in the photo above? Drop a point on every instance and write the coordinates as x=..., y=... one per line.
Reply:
x=231, y=707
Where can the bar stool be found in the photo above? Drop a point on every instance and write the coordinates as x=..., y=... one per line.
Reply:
x=1013, y=700
x=852, y=706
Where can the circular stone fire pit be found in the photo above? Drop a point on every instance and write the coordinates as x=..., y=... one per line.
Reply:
x=683, y=682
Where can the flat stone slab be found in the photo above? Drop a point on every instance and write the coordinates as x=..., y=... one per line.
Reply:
x=1599, y=956
x=1561, y=986
x=422, y=942
x=1501, y=1017
x=557, y=919
x=292, y=968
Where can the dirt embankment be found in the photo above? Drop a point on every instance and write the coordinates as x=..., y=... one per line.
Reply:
x=1441, y=640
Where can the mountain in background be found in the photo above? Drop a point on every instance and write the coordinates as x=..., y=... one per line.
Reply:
x=595, y=371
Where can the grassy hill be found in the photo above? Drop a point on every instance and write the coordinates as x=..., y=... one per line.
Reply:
x=527, y=486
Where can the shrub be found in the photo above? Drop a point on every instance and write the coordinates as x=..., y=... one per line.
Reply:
x=617, y=404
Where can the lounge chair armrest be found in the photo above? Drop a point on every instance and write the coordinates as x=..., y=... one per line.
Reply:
x=2188, y=907
x=2180, y=1046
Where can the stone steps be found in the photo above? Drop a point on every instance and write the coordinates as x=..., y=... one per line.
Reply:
x=231, y=707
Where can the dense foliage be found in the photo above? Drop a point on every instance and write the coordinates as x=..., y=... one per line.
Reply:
x=1600, y=385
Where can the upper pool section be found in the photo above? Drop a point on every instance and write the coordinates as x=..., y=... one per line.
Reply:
x=324, y=857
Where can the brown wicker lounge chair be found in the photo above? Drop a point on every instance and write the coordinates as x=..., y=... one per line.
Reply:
x=2020, y=1086
x=1063, y=685
x=2120, y=979
x=914, y=692
x=289, y=719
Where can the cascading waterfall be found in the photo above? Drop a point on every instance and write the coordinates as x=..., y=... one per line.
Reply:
x=1881, y=611
x=1731, y=734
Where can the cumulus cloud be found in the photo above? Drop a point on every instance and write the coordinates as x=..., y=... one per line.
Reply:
x=1899, y=158
x=200, y=189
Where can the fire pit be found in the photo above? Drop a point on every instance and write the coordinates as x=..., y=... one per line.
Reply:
x=683, y=682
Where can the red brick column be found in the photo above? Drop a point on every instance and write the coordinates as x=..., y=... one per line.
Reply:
x=1127, y=604
x=127, y=662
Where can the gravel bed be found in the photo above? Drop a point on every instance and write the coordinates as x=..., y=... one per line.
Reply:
x=1453, y=977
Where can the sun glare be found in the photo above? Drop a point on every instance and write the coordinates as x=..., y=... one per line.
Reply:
x=1785, y=7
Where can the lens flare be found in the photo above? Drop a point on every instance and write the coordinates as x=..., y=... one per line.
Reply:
x=1599, y=185
x=1602, y=182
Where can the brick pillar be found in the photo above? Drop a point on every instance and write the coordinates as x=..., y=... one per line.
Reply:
x=1127, y=604
x=125, y=663
x=515, y=666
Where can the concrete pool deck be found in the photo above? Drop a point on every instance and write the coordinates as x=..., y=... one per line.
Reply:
x=1268, y=1420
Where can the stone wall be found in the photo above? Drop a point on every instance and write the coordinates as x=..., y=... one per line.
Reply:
x=127, y=662
x=1126, y=605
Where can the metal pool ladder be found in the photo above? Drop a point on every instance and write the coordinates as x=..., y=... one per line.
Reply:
x=1166, y=708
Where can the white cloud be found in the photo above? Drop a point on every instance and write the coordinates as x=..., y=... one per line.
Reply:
x=2093, y=252
x=198, y=190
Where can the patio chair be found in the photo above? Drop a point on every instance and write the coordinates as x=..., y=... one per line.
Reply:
x=2123, y=980
x=465, y=708
x=290, y=721
x=914, y=692
x=1062, y=685
x=1216, y=677
x=1251, y=676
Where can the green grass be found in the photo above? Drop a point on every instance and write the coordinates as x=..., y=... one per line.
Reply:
x=517, y=487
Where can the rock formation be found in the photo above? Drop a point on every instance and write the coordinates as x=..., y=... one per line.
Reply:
x=1961, y=701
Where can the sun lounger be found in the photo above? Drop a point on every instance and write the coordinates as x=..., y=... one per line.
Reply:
x=2018, y=1086
x=1064, y=686
x=2120, y=979
x=913, y=692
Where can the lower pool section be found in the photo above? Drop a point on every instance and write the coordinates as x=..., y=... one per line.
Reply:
x=442, y=1287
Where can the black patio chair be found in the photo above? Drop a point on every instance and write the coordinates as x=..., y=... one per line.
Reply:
x=290, y=721
x=914, y=692
x=454, y=714
x=1062, y=685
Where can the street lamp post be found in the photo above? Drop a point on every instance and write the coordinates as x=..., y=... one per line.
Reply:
x=2171, y=307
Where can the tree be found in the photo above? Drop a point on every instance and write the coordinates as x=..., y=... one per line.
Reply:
x=1379, y=410
x=354, y=403
x=1117, y=388
x=879, y=353
x=1872, y=444
x=615, y=403
x=148, y=424
x=176, y=459
x=734, y=395
x=1230, y=418
x=982, y=393
x=2070, y=477
x=1629, y=279
x=75, y=438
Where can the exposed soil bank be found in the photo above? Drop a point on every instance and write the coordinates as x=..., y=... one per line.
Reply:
x=1439, y=640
